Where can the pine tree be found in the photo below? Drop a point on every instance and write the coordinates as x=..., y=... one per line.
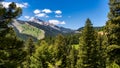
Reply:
x=30, y=50
x=30, y=46
x=113, y=24
x=11, y=48
x=72, y=58
x=102, y=51
x=8, y=14
x=62, y=50
x=11, y=51
x=88, y=54
x=113, y=30
x=41, y=57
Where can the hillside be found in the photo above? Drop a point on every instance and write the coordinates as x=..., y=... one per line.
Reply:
x=37, y=29
x=96, y=28
x=24, y=30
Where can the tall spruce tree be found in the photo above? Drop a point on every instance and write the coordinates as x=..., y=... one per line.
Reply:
x=11, y=48
x=113, y=24
x=88, y=57
x=30, y=50
x=102, y=51
x=41, y=57
x=72, y=58
x=62, y=50
x=113, y=31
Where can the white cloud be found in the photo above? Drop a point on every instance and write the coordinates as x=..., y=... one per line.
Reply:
x=22, y=5
x=58, y=16
x=31, y=18
x=27, y=17
x=25, y=4
x=37, y=11
x=56, y=22
x=41, y=15
x=46, y=16
x=6, y=4
x=58, y=12
x=46, y=11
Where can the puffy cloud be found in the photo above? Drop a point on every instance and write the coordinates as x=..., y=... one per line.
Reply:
x=46, y=16
x=6, y=4
x=56, y=22
x=58, y=12
x=31, y=18
x=26, y=4
x=22, y=5
x=37, y=11
x=58, y=16
x=41, y=15
x=27, y=17
x=46, y=11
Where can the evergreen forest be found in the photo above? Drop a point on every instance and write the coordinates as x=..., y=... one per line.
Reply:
x=90, y=48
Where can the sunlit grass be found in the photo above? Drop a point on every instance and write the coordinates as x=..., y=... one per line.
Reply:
x=31, y=30
x=76, y=46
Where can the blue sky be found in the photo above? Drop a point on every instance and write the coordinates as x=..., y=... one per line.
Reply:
x=67, y=13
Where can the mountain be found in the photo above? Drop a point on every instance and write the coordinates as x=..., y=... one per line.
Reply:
x=96, y=28
x=37, y=29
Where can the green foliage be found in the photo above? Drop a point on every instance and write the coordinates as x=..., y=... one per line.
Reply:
x=11, y=48
x=11, y=53
x=73, y=39
x=113, y=25
x=102, y=51
x=113, y=31
x=49, y=39
x=30, y=50
x=30, y=46
x=62, y=50
x=76, y=46
x=41, y=56
x=33, y=31
x=72, y=58
x=113, y=65
x=93, y=51
x=95, y=28
x=89, y=53
x=7, y=14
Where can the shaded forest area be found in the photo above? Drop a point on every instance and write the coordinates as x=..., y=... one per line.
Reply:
x=89, y=49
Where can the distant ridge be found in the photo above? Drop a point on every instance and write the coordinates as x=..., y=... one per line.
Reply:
x=38, y=29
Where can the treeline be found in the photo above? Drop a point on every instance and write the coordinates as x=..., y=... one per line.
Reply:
x=91, y=49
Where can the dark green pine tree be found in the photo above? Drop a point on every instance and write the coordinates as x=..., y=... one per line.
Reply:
x=41, y=57
x=11, y=48
x=88, y=53
x=30, y=50
x=113, y=24
x=102, y=51
x=113, y=30
x=72, y=58
x=62, y=50
x=8, y=14
x=30, y=47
